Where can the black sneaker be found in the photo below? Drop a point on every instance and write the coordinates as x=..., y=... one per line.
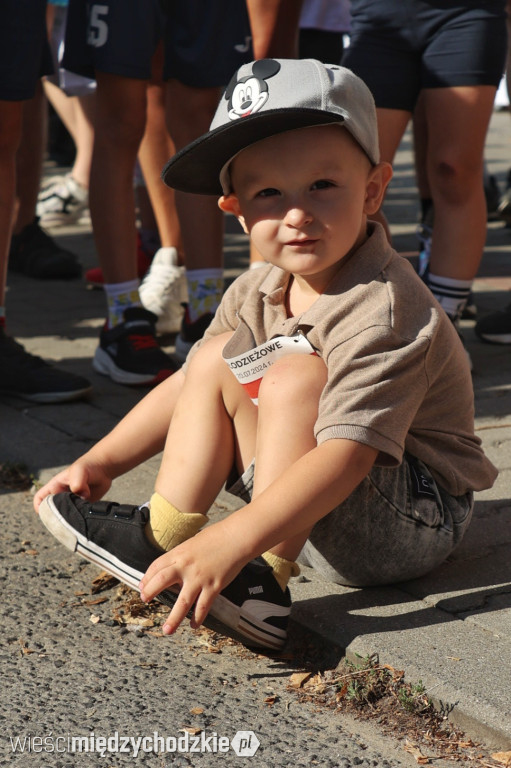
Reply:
x=35, y=254
x=108, y=534
x=191, y=332
x=495, y=327
x=31, y=378
x=253, y=608
x=129, y=352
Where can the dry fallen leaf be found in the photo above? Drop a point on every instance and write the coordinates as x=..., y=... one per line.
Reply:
x=191, y=730
x=24, y=647
x=417, y=754
x=397, y=674
x=96, y=601
x=504, y=758
x=140, y=621
x=297, y=679
x=196, y=711
x=103, y=581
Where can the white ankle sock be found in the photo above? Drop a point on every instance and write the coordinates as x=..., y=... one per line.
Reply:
x=451, y=294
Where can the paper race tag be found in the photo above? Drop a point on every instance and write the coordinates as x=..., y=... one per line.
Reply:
x=250, y=367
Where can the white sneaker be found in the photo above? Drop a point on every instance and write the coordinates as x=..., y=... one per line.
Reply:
x=163, y=290
x=62, y=202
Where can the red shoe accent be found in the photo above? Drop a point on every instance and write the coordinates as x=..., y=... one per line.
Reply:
x=143, y=342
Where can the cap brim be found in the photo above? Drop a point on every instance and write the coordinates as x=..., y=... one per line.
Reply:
x=196, y=168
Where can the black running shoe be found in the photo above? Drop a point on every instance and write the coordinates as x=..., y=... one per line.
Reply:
x=35, y=254
x=31, y=378
x=129, y=352
x=252, y=608
x=495, y=327
x=191, y=332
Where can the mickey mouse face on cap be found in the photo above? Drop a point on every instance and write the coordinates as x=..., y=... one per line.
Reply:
x=249, y=94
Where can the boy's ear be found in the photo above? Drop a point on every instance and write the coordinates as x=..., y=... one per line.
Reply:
x=377, y=182
x=230, y=204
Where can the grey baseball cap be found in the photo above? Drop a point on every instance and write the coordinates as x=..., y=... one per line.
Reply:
x=267, y=97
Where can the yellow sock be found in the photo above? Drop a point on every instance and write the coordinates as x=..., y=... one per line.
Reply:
x=282, y=569
x=167, y=526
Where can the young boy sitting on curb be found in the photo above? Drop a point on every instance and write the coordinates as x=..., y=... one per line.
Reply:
x=331, y=392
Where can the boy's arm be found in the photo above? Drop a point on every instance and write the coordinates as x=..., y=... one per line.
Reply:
x=305, y=492
x=138, y=436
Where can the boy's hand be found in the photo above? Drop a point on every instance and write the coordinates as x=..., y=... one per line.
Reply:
x=84, y=478
x=202, y=566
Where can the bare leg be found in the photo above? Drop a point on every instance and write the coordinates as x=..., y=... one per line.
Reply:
x=29, y=158
x=458, y=121
x=420, y=145
x=10, y=132
x=189, y=114
x=215, y=425
x=155, y=150
x=274, y=26
x=392, y=124
x=77, y=114
x=288, y=409
x=120, y=121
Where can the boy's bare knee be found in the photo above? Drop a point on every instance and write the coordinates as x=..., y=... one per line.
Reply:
x=294, y=378
x=210, y=353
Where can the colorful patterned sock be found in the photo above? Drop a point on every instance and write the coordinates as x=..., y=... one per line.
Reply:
x=167, y=526
x=119, y=297
x=205, y=291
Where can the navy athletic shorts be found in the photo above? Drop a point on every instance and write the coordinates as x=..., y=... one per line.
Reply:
x=205, y=41
x=24, y=51
x=399, y=48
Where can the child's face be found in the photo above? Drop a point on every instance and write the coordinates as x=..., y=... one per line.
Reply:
x=303, y=196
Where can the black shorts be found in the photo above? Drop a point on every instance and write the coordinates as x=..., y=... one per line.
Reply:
x=205, y=41
x=399, y=48
x=24, y=51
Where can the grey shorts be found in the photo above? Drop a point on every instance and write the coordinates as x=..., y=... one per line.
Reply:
x=398, y=524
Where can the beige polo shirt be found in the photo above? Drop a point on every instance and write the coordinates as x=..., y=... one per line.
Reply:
x=398, y=376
